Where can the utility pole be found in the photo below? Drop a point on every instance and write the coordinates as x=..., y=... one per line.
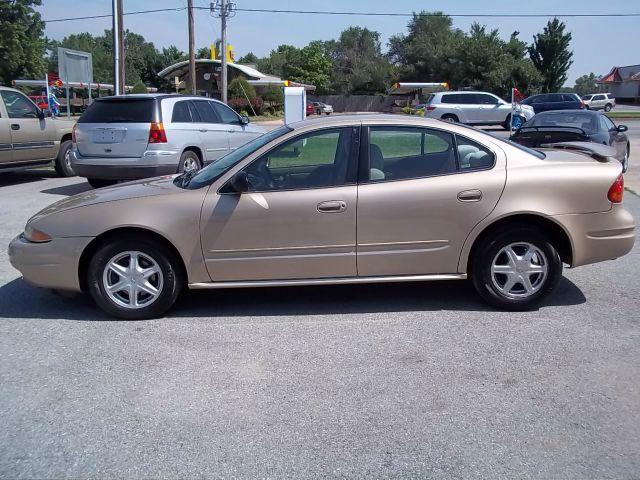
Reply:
x=123, y=52
x=192, y=53
x=224, y=9
x=223, y=58
x=116, y=46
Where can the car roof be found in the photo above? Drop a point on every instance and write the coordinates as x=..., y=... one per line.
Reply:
x=368, y=118
x=569, y=110
x=153, y=96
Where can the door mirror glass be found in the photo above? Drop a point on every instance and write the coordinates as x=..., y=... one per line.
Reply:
x=244, y=120
x=47, y=112
x=239, y=183
x=622, y=128
x=41, y=114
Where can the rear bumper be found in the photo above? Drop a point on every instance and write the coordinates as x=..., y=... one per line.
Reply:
x=151, y=164
x=51, y=265
x=596, y=237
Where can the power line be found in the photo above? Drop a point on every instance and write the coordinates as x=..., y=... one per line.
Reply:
x=367, y=14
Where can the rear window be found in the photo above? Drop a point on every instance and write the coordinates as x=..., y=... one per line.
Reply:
x=119, y=111
x=567, y=118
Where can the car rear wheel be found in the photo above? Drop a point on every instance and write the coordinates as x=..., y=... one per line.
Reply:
x=516, y=269
x=134, y=278
x=100, y=182
x=63, y=160
x=449, y=117
x=607, y=107
x=189, y=161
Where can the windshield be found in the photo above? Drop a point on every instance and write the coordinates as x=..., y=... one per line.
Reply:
x=211, y=173
x=587, y=97
x=528, y=150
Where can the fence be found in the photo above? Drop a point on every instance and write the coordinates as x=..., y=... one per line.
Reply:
x=358, y=103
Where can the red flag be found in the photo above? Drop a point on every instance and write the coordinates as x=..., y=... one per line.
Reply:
x=53, y=78
x=517, y=95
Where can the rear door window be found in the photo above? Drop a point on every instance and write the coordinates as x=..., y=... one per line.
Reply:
x=484, y=99
x=450, y=98
x=120, y=111
x=205, y=112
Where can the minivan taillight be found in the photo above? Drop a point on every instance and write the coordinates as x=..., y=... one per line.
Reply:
x=430, y=108
x=73, y=133
x=156, y=133
x=617, y=190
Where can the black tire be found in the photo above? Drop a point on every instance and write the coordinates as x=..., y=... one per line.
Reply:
x=63, y=162
x=507, y=123
x=318, y=112
x=490, y=249
x=607, y=107
x=189, y=157
x=100, y=182
x=170, y=285
x=449, y=117
x=328, y=113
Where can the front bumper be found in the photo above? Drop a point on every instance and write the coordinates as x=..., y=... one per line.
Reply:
x=596, y=237
x=51, y=265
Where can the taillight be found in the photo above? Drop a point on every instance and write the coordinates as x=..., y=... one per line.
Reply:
x=156, y=133
x=430, y=108
x=617, y=190
x=73, y=133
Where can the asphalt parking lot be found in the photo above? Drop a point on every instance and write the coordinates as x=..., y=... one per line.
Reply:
x=402, y=380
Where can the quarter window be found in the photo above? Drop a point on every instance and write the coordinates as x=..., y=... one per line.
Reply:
x=315, y=160
x=181, y=113
x=472, y=155
x=19, y=106
x=399, y=153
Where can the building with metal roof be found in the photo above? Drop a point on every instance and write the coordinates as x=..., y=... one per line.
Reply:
x=622, y=82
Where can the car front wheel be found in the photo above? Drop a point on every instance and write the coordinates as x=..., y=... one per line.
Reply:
x=516, y=269
x=134, y=278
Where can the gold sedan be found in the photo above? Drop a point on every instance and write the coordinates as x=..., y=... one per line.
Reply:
x=349, y=199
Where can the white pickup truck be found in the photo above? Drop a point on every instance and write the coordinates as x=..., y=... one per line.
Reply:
x=28, y=138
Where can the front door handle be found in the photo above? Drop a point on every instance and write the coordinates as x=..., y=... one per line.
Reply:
x=15, y=126
x=204, y=130
x=470, y=196
x=332, y=206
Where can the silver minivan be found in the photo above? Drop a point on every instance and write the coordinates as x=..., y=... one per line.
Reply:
x=139, y=136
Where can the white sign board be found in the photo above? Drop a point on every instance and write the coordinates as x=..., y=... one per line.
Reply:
x=295, y=104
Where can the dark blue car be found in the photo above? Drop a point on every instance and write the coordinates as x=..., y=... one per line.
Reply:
x=554, y=101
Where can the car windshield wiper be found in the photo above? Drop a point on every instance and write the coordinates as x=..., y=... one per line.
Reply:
x=183, y=180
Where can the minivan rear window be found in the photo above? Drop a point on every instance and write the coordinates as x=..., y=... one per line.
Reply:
x=119, y=111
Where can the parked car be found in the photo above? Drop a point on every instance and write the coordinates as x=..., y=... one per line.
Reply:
x=28, y=138
x=599, y=101
x=40, y=101
x=139, y=136
x=575, y=126
x=321, y=108
x=353, y=199
x=473, y=108
x=310, y=108
x=554, y=101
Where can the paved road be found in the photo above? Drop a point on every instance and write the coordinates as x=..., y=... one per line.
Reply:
x=404, y=380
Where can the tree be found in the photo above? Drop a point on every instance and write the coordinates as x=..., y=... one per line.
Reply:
x=204, y=52
x=139, y=87
x=22, y=41
x=240, y=88
x=358, y=64
x=551, y=56
x=273, y=94
x=586, y=84
x=310, y=66
x=249, y=58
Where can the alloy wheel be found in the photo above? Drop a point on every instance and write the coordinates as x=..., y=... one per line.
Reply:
x=132, y=280
x=190, y=164
x=519, y=270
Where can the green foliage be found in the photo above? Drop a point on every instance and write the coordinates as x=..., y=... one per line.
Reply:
x=407, y=110
x=550, y=54
x=203, y=52
x=248, y=58
x=22, y=44
x=240, y=88
x=139, y=87
x=273, y=94
x=586, y=84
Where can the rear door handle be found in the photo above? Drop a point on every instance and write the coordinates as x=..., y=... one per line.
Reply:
x=204, y=130
x=470, y=196
x=15, y=126
x=332, y=206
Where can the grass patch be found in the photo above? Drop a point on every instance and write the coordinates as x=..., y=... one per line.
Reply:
x=266, y=118
x=623, y=115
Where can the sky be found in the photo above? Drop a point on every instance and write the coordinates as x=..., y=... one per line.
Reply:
x=598, y=43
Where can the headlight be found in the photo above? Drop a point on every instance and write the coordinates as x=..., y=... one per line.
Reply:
x=35, y=236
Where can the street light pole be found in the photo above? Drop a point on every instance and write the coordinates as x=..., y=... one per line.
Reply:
x=192, y=53
x=116, y=48
x=223, y=30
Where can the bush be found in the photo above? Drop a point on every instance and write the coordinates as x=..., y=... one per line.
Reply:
x=274, y=95
x=139, y=87
x=238, y=104
x=407, y=110
x=257, y=104
x=239, y=87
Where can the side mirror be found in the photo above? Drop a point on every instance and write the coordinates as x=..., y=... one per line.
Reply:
x=622, y=128
x=244, y=120
x=239, y=183
x=41, y=115
x=47, y=112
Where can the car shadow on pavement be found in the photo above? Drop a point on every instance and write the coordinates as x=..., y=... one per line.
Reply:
x=68, y=190
x=20, y=300
x=25, y=176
